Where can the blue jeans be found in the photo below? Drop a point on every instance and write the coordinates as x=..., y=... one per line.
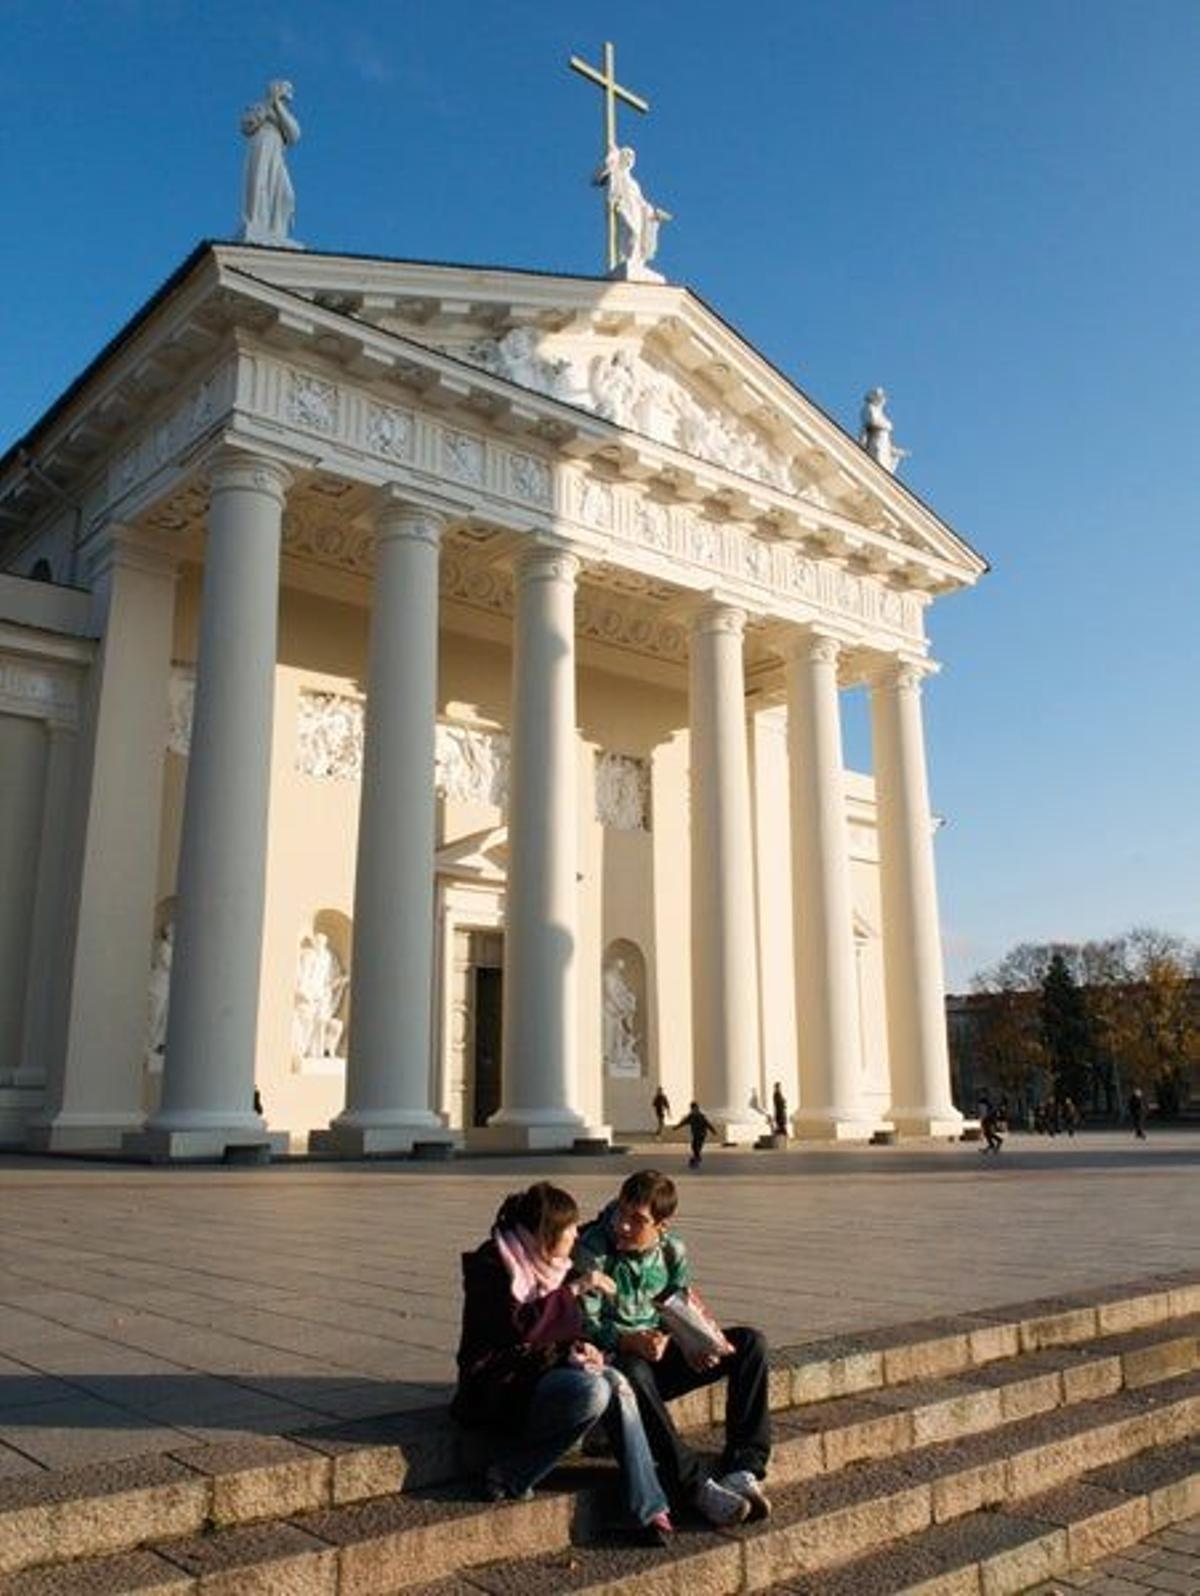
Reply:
x=566, y=1403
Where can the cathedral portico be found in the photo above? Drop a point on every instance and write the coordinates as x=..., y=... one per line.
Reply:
x=523, y=749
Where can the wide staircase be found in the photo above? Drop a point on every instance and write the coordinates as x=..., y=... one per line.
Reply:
x=968, y=1456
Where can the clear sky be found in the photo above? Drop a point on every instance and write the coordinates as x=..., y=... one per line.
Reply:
x=990, y=208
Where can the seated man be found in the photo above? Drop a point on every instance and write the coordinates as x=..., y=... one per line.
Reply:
x=630, y=1243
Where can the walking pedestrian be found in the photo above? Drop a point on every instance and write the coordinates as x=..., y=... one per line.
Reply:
x=993, y=1141
x=661, y=1104
x=700, y=1128
x=779, y=1110
x=1137, y=1113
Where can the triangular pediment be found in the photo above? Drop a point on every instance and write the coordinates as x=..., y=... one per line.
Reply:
x=480, y=856
x=652, y=360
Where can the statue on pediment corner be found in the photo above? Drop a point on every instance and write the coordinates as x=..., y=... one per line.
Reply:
x=268, y=199
x=876, y=432
x=638, y=221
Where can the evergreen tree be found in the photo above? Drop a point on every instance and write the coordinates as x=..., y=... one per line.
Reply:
x=1066, y=1031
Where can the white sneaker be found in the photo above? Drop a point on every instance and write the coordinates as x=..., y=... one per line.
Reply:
x=720, y=1505
x=749, y=1487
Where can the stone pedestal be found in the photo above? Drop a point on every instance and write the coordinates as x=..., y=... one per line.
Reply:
x=916, y=1010
x=390, y=1060
x=540, y=1091
x=208, y=1066
x=724, y=966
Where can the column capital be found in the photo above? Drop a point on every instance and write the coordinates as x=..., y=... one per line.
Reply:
x=231, y=468
x=547, y=562
x=398, y=517
x=811, y=644
x=716, y=616
x=900, y=672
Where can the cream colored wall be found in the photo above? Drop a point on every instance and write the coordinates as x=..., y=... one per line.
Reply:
x=773, y=867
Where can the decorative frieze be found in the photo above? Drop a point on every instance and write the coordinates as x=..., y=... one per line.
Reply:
x=622, y=791
x=200, y=407
x=30, y=689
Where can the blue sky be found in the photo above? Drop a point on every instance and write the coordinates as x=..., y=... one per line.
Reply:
x=991, y=209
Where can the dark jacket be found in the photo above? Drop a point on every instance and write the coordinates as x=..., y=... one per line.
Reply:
x=506, y=1346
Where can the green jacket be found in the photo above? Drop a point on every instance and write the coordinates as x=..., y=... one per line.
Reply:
x=641, y=1279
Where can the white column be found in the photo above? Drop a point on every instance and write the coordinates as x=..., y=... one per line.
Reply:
x=912, y=952
x=829, y=1041
x=208, y=1069
x=389, y=1073
x=541, y=933
x=94, y=1086
x=724, y=966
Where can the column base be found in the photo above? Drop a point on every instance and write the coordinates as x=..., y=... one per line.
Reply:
x=734, y=1131
x=929, y=1122
x=158, y=1145
x=827, y=1128
x=81, y=1133
x=534, y=1138
x=377, y=1141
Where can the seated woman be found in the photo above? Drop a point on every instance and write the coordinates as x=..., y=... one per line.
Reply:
x=524, y=1367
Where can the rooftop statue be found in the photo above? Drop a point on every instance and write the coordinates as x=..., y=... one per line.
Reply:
x=876, y=432
x=268, y=199
x=637, y=219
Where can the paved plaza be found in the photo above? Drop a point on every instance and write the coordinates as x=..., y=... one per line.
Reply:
x=140, y=1305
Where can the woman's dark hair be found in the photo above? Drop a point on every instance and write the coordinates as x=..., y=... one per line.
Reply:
x=544, y=1211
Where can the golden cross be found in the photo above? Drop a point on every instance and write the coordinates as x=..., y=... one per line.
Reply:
x=612, y=93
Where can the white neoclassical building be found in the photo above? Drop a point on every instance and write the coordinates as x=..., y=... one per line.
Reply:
x=420, y=695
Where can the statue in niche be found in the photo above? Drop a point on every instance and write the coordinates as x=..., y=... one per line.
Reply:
x=159, y=994
x=622, y=1054
x=320, y=986
x=638, y=221
x=268, y=199
x=876, y=432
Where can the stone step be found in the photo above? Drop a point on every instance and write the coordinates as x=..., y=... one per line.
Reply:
x=118, y=1506
x=409, y=1541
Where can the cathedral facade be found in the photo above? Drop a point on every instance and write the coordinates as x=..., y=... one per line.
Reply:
x=420, y=710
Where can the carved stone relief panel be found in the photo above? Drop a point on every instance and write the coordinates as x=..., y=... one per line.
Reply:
x=472, y=765
x=312, y=403
x=529, y=478
x=181, y=704
x=329, y=736
x=389, y=431
x=463, y=456
x=622, y=791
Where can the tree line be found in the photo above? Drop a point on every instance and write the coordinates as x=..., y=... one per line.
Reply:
x=1091, y=1021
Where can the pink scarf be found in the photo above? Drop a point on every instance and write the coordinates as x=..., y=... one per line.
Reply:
x=532, y=1275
